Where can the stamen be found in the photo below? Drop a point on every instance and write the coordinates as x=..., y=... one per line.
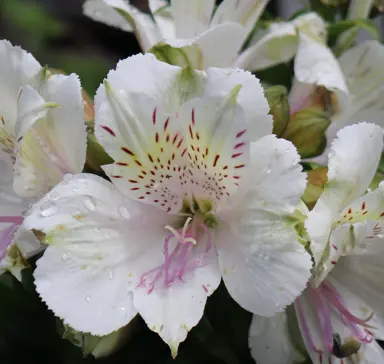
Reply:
x=177, y=263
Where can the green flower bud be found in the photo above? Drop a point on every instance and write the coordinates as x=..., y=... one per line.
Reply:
x=277, y=97
x=306, y=130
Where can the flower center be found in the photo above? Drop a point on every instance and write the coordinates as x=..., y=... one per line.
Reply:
x=185, y=256
x=7, y=234
x=325, y=298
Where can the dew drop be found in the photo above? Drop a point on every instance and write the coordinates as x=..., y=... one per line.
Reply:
x=111, y=274
x=90, y=204
x=97, y=229
x=64, y=257
x=54, y=196
x=88, y=298
x=268, y=171
x=68, y=178
x=124, y=212
x=48, y=209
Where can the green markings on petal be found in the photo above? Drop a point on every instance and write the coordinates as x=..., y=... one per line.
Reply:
x=168, y=54
x=188, y=85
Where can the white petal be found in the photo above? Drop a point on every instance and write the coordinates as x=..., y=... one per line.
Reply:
x=357, y=278
x=270, y=341
x=251, y=97
x=245, y=12
x=93, y=262
x=264, y=266
x=105, y=12
x=371, y=353
x=362, y=67
x=216, y=47
x=55, y=143
x=191, y=17
x=277, y=46
x=352, y=165
x=173, y=311
x=145, y=74
x=316, y=65
x=17, y=68
x=162, y=13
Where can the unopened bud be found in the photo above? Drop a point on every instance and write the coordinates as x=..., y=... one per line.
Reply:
x=277, y=97
x=306, y=130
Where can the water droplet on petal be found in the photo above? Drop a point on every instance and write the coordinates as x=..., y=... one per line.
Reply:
x=97, y=229
x=124, y=212
x=268, y=171
x=68, y=178
x=54, y=196
x=48, y=208
x=88, y=298
x=90, y=204
x=111, y=274
x=64, y=257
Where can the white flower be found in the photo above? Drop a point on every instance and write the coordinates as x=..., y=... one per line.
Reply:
x=341, y=314
x=42, y=136
x=199, y=35
x=200, y=190
x=305, y=39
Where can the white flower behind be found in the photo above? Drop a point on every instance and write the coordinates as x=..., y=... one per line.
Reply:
x=198, y=35
x=340, y=313
x=42, y=137
x=200, y=190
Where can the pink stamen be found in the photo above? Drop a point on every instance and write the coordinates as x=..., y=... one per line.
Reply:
x=336, y=300
x=7, y=234
x=323, y=298
x=12, y=219
x=178, y=262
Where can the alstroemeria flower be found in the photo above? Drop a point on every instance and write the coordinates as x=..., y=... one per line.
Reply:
x=195, y=33
x=200, y=190
x=340, y=313
x=42, y=135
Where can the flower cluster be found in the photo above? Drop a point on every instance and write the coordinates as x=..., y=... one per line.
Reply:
x=213, y=176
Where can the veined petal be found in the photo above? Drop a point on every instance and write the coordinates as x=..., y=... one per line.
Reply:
x=270, y=340
x=264, y=266
x=104, y=11
x=191, y=17
x=220, y=82
x=93, y=262
x=316, y=65
x=52, y=141
x=352, y=164
x=245, y=12
x=17, y=68
x=277, y=46
x=362, y=68
x=173, y=312
x=216, y=47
